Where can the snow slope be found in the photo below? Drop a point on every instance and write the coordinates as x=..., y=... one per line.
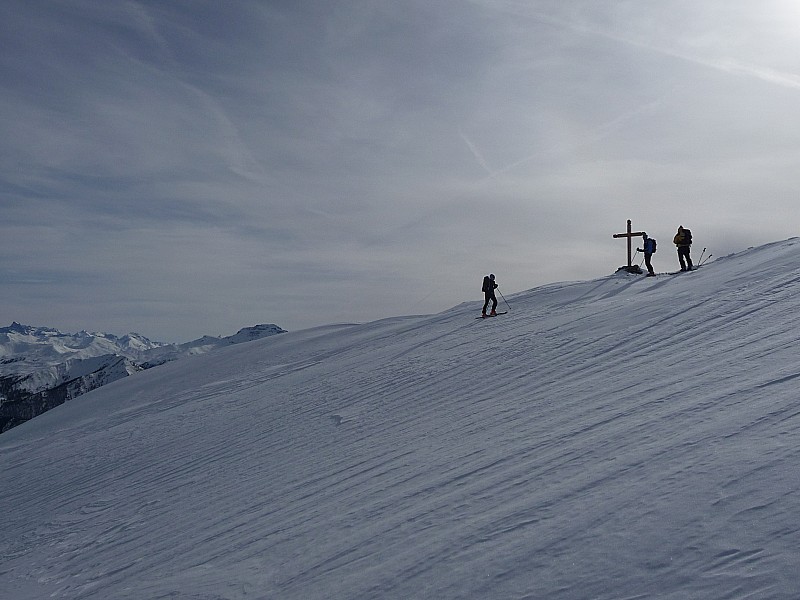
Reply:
x=622, y=438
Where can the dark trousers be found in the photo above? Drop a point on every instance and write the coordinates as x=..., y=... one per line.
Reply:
x=489, y=296
x=683, y=252
x=647, y=262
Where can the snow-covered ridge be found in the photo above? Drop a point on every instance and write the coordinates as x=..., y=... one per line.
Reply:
x=23, y=348
x=41, y=367
x=625, y=437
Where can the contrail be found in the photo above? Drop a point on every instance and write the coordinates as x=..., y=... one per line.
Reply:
x=477, y=154
x=726, y=65
x=787, y=80
x=593, y=136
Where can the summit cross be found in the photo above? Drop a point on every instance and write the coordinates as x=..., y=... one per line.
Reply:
x=630, y=234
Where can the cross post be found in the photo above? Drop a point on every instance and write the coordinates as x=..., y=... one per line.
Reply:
x=629, y=234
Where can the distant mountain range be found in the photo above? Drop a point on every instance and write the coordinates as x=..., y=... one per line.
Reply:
x=41, y=367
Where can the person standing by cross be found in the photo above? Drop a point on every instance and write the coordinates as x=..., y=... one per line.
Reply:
x=648, y=247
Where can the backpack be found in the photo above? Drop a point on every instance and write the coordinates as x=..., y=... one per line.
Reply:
x=687, y=236
x=653, y=245
x=487, y=284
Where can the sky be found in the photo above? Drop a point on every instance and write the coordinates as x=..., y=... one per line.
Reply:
x=180, y=169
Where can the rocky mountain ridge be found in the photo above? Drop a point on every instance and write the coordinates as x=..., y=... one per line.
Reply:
x=41, y=367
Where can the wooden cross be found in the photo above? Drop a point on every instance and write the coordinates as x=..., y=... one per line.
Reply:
x=629, y=235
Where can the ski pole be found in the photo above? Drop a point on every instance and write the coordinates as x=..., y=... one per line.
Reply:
x=504, y=298
x=700, y=260
x=705, y=261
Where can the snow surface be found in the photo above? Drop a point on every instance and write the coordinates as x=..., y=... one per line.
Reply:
x=622, y=438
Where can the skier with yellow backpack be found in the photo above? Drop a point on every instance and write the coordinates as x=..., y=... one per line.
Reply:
x=683, y=240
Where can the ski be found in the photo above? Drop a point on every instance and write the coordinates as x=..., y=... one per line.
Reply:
x=494, y=315
x=694, y=268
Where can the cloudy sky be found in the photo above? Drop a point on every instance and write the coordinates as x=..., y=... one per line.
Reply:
x=181, y=168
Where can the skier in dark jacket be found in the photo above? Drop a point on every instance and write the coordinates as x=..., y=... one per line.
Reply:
x=683, y=240
x=489, y=286
x=648, y=249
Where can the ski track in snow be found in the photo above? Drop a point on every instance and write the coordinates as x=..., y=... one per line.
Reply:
x=627, y=437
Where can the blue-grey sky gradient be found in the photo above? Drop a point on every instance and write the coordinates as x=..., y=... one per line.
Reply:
x=187, y=168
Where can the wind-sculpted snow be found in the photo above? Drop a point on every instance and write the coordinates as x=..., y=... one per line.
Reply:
x=627, y=437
